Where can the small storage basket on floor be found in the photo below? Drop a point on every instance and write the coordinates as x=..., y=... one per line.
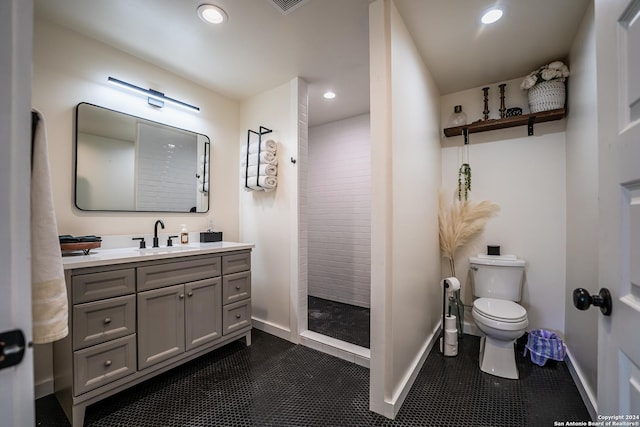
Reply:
x=545, y=96
x=544, y=345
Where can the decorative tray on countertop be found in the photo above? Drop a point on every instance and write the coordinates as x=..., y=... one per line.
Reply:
x=80, y=246
x=70, y=243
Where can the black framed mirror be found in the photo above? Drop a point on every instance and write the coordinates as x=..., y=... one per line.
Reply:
x=130, y=164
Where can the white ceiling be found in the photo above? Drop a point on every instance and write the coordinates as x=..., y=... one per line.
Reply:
x=324, y=41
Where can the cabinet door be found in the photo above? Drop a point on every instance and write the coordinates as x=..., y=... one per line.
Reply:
x=236, y=316
x=236, y=287
x=100, y=321
x=236, y=263
x=203, y=312
x=175, y=273
x=160, y=325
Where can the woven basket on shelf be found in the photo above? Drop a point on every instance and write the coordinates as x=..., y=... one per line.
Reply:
x=545, y=96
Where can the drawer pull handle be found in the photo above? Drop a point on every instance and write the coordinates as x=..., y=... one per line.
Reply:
x=181, y=296
x=237, y=287
x=238, y=316
x=190, y=294
x=107, y=320
x=107, y=363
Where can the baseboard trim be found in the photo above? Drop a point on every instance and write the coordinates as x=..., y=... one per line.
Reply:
x=392, y=406
x=272, y=329
x=340, y=349
x=43, y=389
x=585, y=391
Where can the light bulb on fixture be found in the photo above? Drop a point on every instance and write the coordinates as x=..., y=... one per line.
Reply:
x=491, y=16
x=211, y=14
x=329, y=95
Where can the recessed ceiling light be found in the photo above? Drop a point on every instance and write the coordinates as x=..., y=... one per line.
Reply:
x=491, y=16
x=329, y=95
x=211, y=14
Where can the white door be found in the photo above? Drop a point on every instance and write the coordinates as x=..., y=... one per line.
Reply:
x=618, y=74
x=16, y=383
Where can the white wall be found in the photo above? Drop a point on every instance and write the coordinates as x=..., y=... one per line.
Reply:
x=270, y=220
x=525, y=176
x=97, y=177
x=405, y=255
x=69, y=68
x=581, y=327
x=339, y=211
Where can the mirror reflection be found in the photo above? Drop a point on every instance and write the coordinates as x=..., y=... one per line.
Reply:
x=126, y=163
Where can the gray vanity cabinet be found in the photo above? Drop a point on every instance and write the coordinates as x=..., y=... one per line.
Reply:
x=176, y=319
x=202, y=324
x=160, y=325
x=132, y=321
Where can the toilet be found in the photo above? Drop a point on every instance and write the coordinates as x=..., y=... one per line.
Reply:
x=497, y=286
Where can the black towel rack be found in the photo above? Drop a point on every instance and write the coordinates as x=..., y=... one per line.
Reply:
x=262, y=131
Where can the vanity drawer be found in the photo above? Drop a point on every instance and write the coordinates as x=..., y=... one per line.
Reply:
x=175, y=273
x=106, y=284
x=236, y=287
x=103, y=363
x=99, y=321
x=236, y=263
x=236, y=316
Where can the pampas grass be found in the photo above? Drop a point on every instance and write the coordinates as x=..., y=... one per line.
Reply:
x=460, y=222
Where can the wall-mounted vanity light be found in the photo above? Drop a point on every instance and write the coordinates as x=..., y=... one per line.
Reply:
x=155, y=98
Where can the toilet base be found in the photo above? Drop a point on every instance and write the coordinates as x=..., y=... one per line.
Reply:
x=498, y=358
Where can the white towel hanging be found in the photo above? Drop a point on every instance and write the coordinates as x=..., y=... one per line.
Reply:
x=48, y=291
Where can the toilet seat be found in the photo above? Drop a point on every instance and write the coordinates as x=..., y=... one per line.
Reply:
x=498, y=310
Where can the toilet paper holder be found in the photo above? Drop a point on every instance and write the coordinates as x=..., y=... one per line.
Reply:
x=449, y=285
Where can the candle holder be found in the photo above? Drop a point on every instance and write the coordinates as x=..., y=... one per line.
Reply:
x=486, y=103
x=502, y=107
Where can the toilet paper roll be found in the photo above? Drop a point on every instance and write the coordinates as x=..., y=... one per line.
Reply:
x=454, y=284
x=449, y=349
x=450, y=323
x=451, y=337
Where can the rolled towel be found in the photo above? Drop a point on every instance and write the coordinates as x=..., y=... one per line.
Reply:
x=265, y=170
x=269, y=145
x=266, y=183
x=265, y=157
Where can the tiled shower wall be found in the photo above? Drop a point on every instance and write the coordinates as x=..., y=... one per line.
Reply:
x=339, y=211
x=166, y=170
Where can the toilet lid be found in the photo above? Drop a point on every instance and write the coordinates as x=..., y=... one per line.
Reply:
x=498, y=309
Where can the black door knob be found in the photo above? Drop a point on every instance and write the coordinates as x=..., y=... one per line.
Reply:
x=582, y=300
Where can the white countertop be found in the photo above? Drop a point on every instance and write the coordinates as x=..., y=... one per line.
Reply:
x=100, y=257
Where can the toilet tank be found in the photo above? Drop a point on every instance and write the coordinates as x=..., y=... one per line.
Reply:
x=497, y=276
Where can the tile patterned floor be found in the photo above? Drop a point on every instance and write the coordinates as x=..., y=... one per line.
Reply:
x=276, y=383
x=334, y=319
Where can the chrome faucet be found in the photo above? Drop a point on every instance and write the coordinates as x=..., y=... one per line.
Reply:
x=155, y=232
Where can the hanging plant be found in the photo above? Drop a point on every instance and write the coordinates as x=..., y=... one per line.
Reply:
x=464, y=181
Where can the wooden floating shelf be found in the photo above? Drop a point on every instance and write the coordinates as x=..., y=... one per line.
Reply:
x=507, y=122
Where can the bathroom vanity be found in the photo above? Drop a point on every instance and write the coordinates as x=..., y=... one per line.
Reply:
x=135, y=313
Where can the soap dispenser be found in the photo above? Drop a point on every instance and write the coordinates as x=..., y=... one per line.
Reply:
x=184, y=234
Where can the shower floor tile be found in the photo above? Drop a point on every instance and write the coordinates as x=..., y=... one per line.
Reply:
x=334, y=319
x=276, y=383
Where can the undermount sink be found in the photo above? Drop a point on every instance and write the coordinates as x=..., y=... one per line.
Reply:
x=165, y=250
